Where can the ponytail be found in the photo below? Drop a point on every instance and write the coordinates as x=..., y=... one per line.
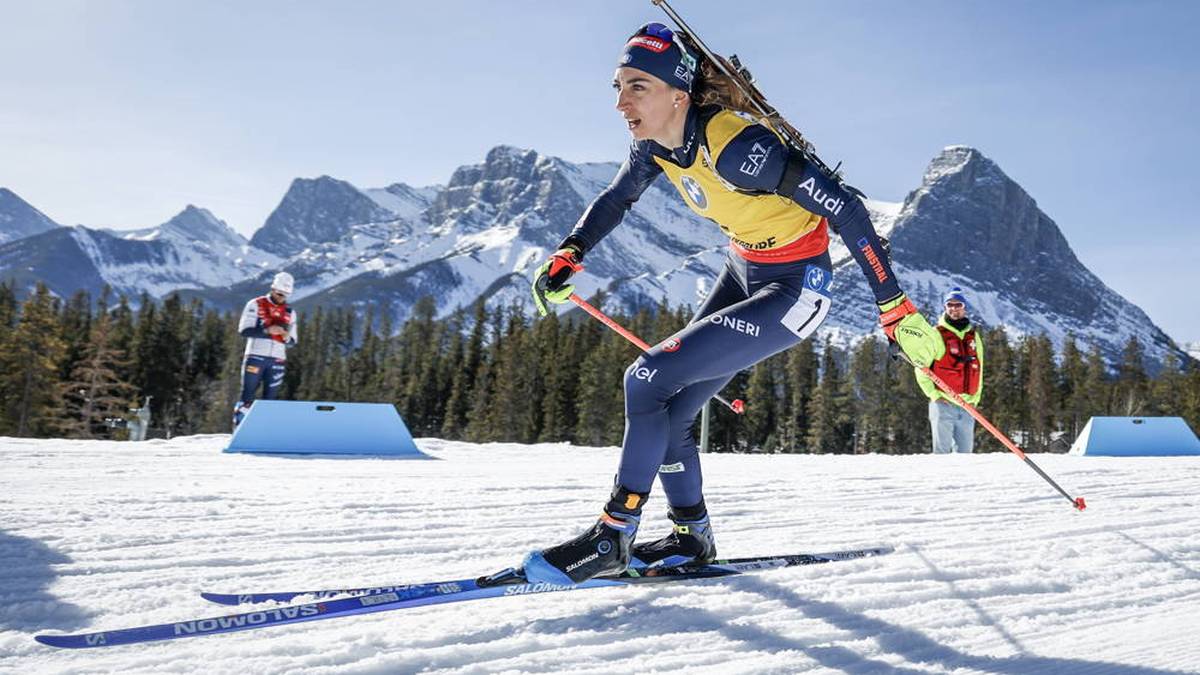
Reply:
x=716, y=88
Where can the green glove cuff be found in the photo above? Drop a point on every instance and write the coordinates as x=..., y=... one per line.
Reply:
x=541, y=295
x=920, y=341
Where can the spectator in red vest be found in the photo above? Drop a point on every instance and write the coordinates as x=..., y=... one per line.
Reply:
x=961, y=366
x=269, y=325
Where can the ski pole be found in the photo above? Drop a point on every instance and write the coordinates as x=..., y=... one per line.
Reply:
x=1077, y=502
x=738, y=405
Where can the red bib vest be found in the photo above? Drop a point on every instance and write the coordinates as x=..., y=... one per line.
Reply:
x=959, y=368
x=272, y=314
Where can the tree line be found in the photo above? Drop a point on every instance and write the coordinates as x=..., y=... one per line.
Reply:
x=69, y=367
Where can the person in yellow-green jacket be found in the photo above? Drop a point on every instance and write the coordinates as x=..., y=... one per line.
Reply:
x=690, y=125
x=960, y=365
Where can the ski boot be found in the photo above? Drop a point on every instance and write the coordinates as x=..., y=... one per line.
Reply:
x=604, y=549
x=239, y=412
x=690, y=541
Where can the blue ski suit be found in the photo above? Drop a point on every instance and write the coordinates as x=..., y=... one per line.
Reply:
x=773, y=292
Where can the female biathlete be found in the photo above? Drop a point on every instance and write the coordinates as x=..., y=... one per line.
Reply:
x=690, y=123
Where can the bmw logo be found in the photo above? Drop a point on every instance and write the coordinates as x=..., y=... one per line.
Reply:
x=816, y=278
x=694, y=192
x=604, y=546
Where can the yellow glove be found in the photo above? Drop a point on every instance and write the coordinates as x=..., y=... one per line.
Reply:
x=905, y=326
x=550, y=280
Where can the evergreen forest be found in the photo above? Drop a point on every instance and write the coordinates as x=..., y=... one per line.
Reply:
x=69, y=368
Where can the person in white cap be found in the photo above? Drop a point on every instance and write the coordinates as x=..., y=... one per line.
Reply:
x=960, y=365
x=269, y=326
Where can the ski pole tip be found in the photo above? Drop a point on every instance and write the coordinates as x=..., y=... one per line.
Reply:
x=1080, y=504
x=738, y=406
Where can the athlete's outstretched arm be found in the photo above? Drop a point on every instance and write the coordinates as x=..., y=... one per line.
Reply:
x=609, y=207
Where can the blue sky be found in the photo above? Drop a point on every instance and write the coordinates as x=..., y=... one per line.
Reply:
x=119, y=113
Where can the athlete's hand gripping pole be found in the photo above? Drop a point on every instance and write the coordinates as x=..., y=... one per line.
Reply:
x=737, y=405
x=1077, y=502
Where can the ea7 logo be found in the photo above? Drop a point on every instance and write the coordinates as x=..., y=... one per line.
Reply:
x=96, y=640
x=755, y=160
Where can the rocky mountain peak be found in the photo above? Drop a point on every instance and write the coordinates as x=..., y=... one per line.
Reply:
x=316, y=211
x=198, y=224
x=18, y=219
x=969, y=218
x=511, y=185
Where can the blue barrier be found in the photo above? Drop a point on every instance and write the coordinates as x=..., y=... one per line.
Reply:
x=1136, y=437
x=323, y=427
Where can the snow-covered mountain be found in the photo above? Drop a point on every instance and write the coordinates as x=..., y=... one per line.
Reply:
x=18, y=219
x=192, y=250
x=971, y=225
x=480, y=236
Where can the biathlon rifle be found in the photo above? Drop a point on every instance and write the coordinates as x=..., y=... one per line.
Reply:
x=741, y=77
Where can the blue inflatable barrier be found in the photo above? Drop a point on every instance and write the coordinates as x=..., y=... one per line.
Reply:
x=1136, y=437
x=324, y=427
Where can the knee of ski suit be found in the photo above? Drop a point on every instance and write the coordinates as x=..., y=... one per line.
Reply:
x=649, y=384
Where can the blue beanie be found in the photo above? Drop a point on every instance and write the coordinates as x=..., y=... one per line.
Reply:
x=955, y=295
x=654, y=49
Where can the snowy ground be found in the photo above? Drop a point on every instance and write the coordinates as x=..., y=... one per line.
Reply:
x=994, y=572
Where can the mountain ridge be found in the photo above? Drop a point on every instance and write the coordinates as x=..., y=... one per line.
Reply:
x=482, y=233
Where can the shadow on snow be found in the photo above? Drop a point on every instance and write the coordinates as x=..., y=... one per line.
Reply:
x=26, y=571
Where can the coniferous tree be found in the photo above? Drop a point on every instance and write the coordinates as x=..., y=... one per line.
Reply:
x=1131, y=384
x=478, y=427
x=554, y=347
x=415, y=344
x=516, y=395
x=1073, y=389
x=1002, y=401
x=365, y=363
x=1190, y=400
x=831, y=427
x=307, y=360
x=1097, y=383
x=1040, y=387
x=425, y=396
x=225, y=390
x=800, y=384
x=29, y=367
x=601, y=391
x=75, y=329
x=727, y=430
x=123, y=330
x=907, y=411
x=1166, y=392
x=168, y=356
x=458, y=403
x=8, y=309
x=763, y=418
x=868, y=381
x=94, y=392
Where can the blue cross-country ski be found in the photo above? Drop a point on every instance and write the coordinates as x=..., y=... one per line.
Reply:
x=381, y=599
